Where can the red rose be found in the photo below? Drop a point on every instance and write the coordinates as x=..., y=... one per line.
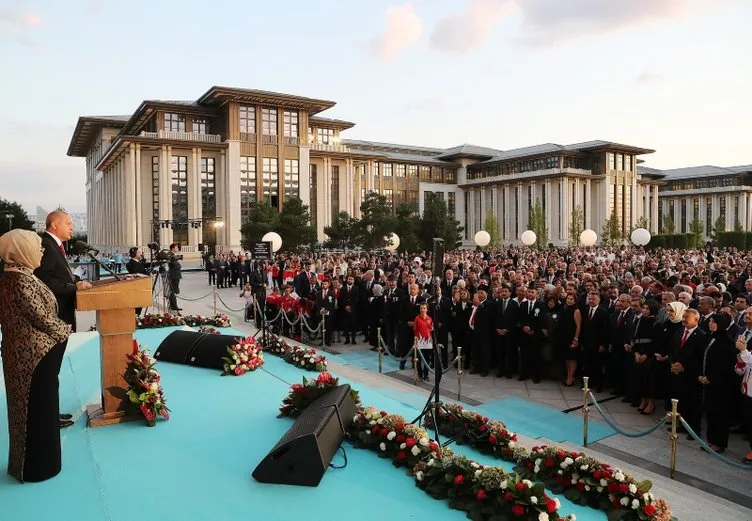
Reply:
x=649, y=510
x=507, y=451
x=616, y=502
x=550, y=505
x=485, y=419
x=401, y=455
x=597, y=474
x=482, y=428
x=504, y=433
x=520, y=486
x=623, y=488
x=561, y=454
x=492, y=439
x=401, y=439
x=479, y=417
x=549, y=462
x=514, y=438
x=613, y=487
x=567, y=481
x=433, y=445
x=558, y=479
x=458, y=479
x=581, y=486
x=480, y=495
x=384, y=413
x=410, y=443
x=384, y=432
x=518, y=510
x=508, y=496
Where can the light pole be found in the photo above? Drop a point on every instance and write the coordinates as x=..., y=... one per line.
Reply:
x=9, y=216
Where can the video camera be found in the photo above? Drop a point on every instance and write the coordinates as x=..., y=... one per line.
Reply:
x=162, y=254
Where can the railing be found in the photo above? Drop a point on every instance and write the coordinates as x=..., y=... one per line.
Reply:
x=248, y=136
x=183, y=136
x=291, y=140
x=269, y=140
x=324, y=147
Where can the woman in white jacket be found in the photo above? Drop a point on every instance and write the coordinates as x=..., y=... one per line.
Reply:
x=744, y=368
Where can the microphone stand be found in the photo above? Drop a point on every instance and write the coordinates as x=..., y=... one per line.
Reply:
x=105, y=268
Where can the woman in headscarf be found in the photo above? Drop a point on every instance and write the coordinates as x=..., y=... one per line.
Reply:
x=664, y=334
x=717, y=379
x=31, y=329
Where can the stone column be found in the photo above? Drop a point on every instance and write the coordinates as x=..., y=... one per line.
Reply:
x=505, y=216
x=131, y=216
x=634, y=213
x=232, y=193
x=304, y=167
x=548, y=211
x=220, y=188
x=194, y=195
x=521, y=215
x=139, y=204
x=654, y=224
x=587, y=208
x=165, y=195
x=566, y=213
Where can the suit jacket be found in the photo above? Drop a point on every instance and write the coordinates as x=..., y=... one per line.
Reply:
x=56, y=274
x=621, y=332
x=408, y=310
x=133, y=266
x=689, y=356
x=533, y=317
x=595, y=331
x=302, y=284
x=507, y=318
x=323, y=302
x=393, y=305
x=349, y=298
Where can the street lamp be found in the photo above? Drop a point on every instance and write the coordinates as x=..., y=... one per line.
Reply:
x=9, y=216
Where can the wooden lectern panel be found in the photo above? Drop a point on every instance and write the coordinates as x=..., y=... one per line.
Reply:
x=114, y=302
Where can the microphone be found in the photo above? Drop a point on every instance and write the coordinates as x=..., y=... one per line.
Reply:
x=83, y=246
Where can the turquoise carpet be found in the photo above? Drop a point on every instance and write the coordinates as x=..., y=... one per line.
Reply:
x=197, y=465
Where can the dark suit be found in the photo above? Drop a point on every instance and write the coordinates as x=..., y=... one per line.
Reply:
x=349, y=296
x=393, y=300
x=621, y=361
x=174, y=275
x=594, y=336
x=717, y=364
x=532, y=315
x=407, y=312
x=506, y=318
x=133, y=267
x=460, y=329
x=481, y=335
x=684, y=386
x=325, y=302
x=56, y=274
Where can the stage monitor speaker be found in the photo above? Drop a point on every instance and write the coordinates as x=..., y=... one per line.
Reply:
x=192, y=348
x=303, y=454
x=438, y=257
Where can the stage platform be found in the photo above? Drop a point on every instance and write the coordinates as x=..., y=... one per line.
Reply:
x=197, y=465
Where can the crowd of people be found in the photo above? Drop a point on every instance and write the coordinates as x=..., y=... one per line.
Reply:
x=646, y=325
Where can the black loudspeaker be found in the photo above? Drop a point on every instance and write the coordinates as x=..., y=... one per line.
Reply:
x=438, y=257
x=303, y=454
x=192, y=348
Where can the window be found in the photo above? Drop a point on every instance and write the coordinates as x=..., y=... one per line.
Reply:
x=425, y=173
x=292, y=178
x=708, y=215
x=611, y=161
x=627, y=205
x=389, y=197
x=620, y=161
x=552, y=162
x=247, y=119
x=628, y=163
x=400, y=170
x=375, y=169
x=467, y=218
x=450, y=176
x=696, y=208
x=174, y=122
x=439, y=196
x=179, y=176
x=516, y=211
x=386, y=169
x=325, y=135
x=683, y=216
x=155, y=197
x=334, y=192
x=412, y=171
x=291, y=123
x=312, y=184
x=208, y=189
x=451, y=204
x=436, y=174
x=723, y=209
x=736, y=210
x=401, y=197
x=270, y=181
x=269, y=121
x=200, y=126
x=310, y=135
x=413, y=200
x=248, y=194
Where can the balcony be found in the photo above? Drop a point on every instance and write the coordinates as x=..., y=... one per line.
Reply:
x=291, y=140
x=326, y=147
x=183, y=136
x=269, y=140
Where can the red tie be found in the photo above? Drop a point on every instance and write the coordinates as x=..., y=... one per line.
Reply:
x=62, y=250
x=684, y=338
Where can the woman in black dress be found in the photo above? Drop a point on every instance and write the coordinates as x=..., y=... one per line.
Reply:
x=717, y=379
x=665, y=333
x=567, y=337
x=643, y=351
x=375, y=315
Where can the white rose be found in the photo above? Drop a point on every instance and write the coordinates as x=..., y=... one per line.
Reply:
x=403, y=446
x=557, y=503
x=368, y=431
x=568, y=461
x=419, y=475
x=372, y=422
x=415, y=450
x=604, y=483
x=539, y=461
x=503, y=485
x=542, y=516
x=382, y=446
x=391, y=435
x=533, y=500
x=478, y=473
x=632, y=488
x=587, y=488
x=624, y=501
x=431, y=462
x=584, y=467
x=635, y=504
x=619, y=476
x=560, y=472
x=528, y=483
x=424, y=442
x=572, y=517
x=511, y=444
x=380, y=421
x=575, y=476
x=599, y=489
x=355, y=418
x=474, y=465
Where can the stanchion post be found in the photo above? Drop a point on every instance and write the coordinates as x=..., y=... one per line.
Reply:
x=415, y=361
x=215, y=300
x=378, y=348
x=674, y=422
x=585, y=410
x=459, y=373
x=323, y=329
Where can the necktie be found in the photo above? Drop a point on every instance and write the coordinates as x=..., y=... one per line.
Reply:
x=412, y=300
x=592, y=313
x=621, y=317
x=684, y=338
x=62, y=250
x=504, y=306
x=530, y=308
x=747, y=334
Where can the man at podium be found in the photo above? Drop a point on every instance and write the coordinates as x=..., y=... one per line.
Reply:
x=55, y=272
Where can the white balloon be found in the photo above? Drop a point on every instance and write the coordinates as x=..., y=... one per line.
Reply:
x=528, y=237
x=588, y=238
x=393, y=242
x=274, y=238
x=482, y=238
x=640, y=237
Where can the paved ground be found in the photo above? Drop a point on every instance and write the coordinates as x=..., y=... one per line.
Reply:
x=650, y=453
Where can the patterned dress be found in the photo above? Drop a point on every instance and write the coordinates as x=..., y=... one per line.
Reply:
x=31, y=328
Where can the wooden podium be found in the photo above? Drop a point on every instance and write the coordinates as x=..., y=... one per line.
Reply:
x=115, y=302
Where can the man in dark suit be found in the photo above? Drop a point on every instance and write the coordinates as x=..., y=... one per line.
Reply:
x=55, y=272
x=685, y=358
x=393, y=300
x=135, y=265
x=174, y=275
x=349, y=299
x=448, y=282
x=481, y=329
x=594, y=340
x=620, y=345
x=409, y=309
x=506, y=329
x=532, y=318
x=325, y=308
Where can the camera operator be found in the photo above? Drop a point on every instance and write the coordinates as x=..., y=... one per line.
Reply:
x=174, y=274
x=136, y=265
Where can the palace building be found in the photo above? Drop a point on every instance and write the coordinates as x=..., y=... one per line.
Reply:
x=188, y=172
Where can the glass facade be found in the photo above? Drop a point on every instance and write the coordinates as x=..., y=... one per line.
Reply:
x=292, y=178
x=270, y=181
x=269, y=121
x=155, y=197
x=247, y=119
x=248, y=194
x=451, y=206
x=208, y=200
x=313, y=182
x=179, y=178
x=334, y=193
x=291, y=123
x=174, y=122
x=325, y=135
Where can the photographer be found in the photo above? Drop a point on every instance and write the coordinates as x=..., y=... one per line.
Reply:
x=174, y=275
x=135, y=265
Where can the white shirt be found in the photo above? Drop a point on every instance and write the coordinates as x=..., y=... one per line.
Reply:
x=57, y=239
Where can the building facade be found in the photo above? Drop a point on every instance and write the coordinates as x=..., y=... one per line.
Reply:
x=189, y=171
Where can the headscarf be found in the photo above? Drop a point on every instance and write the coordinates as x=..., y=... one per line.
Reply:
x=679, y=309
x=723, y=321
x=21, y=250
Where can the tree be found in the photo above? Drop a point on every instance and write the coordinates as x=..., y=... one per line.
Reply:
x=719, y=226
x=407, y=227
x=696, y=232
x=668, y=227
x=376, y=221
x=295, y=225
x=738, y=226
x=436, y=222
x=537, y=223
x=491, y=225
x=642, y=222
x=611, y=232
x=344, y=233
x=576, y=226
x=18, y=219
x=262, y=218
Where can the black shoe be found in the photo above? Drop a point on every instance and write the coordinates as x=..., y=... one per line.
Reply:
x=66, y=416
x=64, y=424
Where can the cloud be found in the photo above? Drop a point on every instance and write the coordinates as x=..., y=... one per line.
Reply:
x=648, y=77
x=547, y=22
x=403, y=28
x=17, y=24
x=461, y=33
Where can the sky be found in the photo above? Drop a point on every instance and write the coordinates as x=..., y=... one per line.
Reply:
x=669, y=75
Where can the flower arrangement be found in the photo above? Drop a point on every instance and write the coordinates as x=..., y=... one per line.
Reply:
x=144, y=389
x=218, y=320
x=153, y=320
x=301, y=395
x=244, y=356
x=300, y=356
x=209, y=330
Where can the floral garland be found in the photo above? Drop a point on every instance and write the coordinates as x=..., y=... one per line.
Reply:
x=144, y=389
x=209, y=330
x=301, y=395
x=300, y=356
x=154, y=320
x=582, y=479
x=244, y=356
